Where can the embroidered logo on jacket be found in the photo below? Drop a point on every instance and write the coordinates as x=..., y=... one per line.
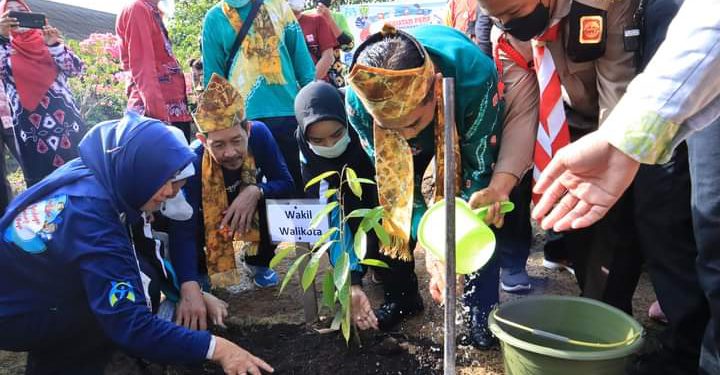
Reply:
x=591, y=29
x=35, y=226
x=119, y=291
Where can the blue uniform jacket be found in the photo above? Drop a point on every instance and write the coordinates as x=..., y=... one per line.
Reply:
x=65, y=246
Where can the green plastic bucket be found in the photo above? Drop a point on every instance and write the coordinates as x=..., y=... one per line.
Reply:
x=602, y=338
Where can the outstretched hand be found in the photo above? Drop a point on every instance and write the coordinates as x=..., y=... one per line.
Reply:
x=582, y=182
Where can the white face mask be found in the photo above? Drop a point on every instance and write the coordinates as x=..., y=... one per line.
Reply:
x=177, y=208
x=333, y=151
x=297, y=5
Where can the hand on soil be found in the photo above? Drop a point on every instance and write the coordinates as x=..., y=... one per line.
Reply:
x=236, y=360
x=362, y=312
x=191, y=311
x=217, y=309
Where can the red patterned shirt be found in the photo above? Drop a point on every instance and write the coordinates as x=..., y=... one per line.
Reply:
x=157, y=85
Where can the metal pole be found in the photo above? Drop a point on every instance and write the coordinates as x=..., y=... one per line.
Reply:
x=450, y=164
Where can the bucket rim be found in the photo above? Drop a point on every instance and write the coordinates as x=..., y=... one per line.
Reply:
x=605, y=354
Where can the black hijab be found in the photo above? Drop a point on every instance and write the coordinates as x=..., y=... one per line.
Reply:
x=320, y=101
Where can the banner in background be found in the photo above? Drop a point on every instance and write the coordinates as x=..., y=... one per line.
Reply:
x=369, y=18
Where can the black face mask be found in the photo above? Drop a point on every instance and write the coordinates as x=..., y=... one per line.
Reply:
x=530, y=26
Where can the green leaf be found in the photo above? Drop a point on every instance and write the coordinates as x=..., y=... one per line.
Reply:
x=352, y=181
x=345, y=325
x=324, y=248
x=308, y=276
x=382, y=234
x=344, y=295
x=319, y=178
x=291, y=271
x=282, y=253
x=329, y=193
x=374, y=263
x=372, y=218
x=365, y=181
x=342, y=270
x=360, y=212
x=321, y=215
x=312, y=266
x=325, y=236
x=329, y=297
x=337, y=320
x=360, y=244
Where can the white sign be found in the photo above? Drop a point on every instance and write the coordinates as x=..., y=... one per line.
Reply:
x=289, y=220
x=368, y=18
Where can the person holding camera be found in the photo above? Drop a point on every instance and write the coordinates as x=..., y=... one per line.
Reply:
x=34, y=66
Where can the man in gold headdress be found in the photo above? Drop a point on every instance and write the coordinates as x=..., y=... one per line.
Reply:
x=395, y=104
x=239, y=165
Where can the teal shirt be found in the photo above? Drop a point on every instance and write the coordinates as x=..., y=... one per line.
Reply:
x=478, y=112
x=262, y=98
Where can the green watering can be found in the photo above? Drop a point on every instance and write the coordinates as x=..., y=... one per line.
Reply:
x=474, y=240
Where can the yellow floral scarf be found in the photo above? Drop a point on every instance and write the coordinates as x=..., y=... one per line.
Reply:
x=219, y=245
x=259, y=55
x=395, y=179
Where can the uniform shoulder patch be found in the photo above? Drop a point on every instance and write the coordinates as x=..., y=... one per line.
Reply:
x=120, y=291
x=34, y=227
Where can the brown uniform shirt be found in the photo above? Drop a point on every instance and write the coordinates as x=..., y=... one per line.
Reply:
x=591, y=88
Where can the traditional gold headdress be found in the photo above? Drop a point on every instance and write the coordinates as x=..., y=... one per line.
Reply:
x=391, y=94
x=219, y=106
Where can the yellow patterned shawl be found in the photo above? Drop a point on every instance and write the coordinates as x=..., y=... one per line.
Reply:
x=259, y=55
x=219, y=245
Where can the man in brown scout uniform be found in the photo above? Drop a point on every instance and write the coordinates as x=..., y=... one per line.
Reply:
x=567, y=63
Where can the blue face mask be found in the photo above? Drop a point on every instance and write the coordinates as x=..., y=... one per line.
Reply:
x=333, y=151
x=237, y=3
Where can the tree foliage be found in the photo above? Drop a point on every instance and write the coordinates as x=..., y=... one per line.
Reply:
x=186, y=25
x=100, y=91
x=185, y=28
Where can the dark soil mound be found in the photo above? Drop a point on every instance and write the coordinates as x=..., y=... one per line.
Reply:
x=295, y=349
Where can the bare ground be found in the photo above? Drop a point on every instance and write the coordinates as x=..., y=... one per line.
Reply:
x=272, y=327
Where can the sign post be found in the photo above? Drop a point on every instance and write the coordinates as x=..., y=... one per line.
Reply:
x=449, y=338
x=289, y=221
x=310, y=300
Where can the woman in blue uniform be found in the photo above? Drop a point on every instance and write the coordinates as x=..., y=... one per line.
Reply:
x=70, y=288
